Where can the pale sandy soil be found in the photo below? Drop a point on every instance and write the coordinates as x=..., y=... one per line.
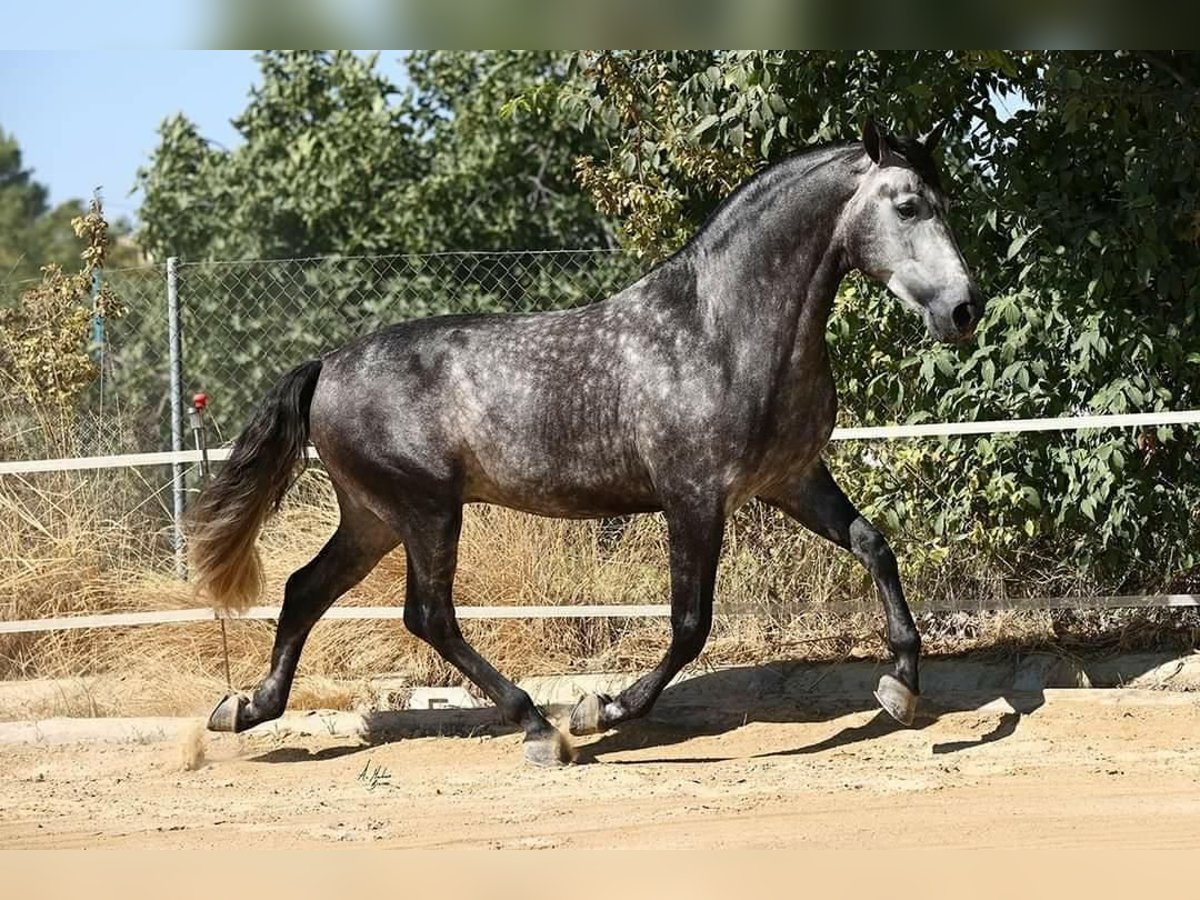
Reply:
x=1085, y=768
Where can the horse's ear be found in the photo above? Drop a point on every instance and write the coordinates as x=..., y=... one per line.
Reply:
x=930, y=141
x=875, y=141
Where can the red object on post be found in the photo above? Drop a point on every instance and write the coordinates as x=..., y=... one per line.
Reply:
x=200, y=401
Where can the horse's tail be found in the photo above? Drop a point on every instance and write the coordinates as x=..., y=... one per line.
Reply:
x=226, y=519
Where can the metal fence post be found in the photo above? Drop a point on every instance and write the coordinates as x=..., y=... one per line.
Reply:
x=175, y=338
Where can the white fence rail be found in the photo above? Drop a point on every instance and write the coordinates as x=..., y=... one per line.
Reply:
x=583, y=611
x=882, y=432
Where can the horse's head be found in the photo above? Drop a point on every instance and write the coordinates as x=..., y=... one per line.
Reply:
x=896, y=231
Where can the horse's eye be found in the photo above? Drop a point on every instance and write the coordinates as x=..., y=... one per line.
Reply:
x=907, y=210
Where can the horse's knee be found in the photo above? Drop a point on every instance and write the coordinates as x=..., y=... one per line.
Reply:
x=429, y=624
x=871, y=548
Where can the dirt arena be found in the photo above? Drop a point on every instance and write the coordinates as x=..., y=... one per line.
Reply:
x=1079, y=768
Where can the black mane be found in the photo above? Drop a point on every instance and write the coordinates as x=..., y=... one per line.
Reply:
x=919, y=159
x=757, y=181
x=907, y=151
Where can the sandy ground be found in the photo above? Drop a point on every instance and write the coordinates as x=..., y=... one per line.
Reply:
x=1073, y=768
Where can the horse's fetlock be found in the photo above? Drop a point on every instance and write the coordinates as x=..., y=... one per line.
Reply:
x=906, y=644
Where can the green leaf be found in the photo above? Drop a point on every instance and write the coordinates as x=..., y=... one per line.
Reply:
x=704, y=124
x=1017, y=243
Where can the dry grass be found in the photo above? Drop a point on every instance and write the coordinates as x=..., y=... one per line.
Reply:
x=73, y=543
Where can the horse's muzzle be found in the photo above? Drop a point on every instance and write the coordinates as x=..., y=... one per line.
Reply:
x=955, y=322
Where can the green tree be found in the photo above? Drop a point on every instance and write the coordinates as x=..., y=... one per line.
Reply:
x=497, y=179
x=325, y=152
x=1079, y=212
x=31, y=233
x=336, y=159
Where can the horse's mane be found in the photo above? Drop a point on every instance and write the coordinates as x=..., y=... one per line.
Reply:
x=918, y=158
x=908, y=151
x=818, y=155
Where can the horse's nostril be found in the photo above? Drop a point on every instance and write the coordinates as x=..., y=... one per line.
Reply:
x=964, y=316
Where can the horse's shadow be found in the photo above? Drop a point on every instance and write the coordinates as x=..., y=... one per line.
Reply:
x=303, y=754
x=1011, y=682
x=785, y=692
x=718, y=702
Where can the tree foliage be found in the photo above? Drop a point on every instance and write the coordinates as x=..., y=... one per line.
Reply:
x=335, y=159
x=497, y=180
x=1079, y=211
x=45, y=355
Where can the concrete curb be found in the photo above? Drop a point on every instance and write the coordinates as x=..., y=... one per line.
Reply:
x=1023, y=674
x=1019, y=684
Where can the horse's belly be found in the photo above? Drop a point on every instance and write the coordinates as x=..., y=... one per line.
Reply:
x=569, y=477
x=562, y=498
x=784, y=460
x=568, y=506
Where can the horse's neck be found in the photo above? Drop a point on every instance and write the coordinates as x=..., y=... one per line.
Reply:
x=765, y=286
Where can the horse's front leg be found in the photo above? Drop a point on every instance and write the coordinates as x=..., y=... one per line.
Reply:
x=695, y=531
x=819, y=504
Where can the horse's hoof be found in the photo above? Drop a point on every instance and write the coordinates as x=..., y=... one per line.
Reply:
x=225, y=716
x=896, y=699
x=585, y=717
x=549, y=750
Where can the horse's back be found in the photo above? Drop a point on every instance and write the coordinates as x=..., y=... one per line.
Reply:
x=521, y=410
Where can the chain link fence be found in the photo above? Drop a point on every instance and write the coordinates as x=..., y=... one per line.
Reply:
x=244, y=323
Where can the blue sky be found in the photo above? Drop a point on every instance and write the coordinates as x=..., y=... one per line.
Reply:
x=87, y=119
x=119, y=25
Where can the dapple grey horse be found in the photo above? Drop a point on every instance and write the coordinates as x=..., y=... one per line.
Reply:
x=703, y=385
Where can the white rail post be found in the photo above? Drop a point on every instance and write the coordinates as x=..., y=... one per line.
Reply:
x=175, y=339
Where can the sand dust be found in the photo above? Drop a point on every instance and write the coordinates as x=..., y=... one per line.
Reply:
x=1089, y=769
x=191, y=747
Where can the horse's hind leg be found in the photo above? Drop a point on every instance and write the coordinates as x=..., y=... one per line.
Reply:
x=431, y=542
x=695, y=545
x=360, y=541
x=819, y=504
